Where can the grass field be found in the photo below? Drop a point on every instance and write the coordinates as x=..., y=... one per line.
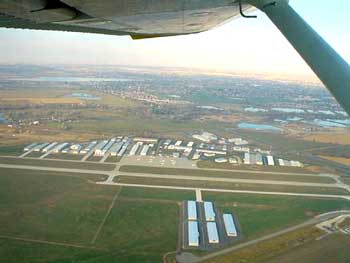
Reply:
x=334, y=248
x=260, y=214
x=341, y=160
x=280, y=142
x=263, y=251
x=13, y=150
x=58, y=164
x=230, y=186
x=141, y=226
x=62, y=156
x=224, y=174
x=330, y=137
x=43, y=100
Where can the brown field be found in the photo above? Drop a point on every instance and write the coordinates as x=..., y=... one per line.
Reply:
x=333, y=137
x=263, y=251
x=42, y=100
x=333, y=248
x=345, y=161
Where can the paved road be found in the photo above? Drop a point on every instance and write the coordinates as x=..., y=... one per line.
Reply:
x=313, y=221
x=55, y=169
x=347, y=197
x=231, y=180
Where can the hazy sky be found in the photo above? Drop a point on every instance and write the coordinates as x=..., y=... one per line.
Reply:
x=252, y=45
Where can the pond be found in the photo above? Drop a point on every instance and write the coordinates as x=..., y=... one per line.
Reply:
x=255, y=126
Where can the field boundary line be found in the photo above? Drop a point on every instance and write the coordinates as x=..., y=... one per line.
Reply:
x=50, y=242
x=106, y=216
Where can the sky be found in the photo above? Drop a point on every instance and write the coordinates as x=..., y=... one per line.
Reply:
x=242, y=45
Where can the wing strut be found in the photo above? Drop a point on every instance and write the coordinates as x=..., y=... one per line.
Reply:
x=327, y=64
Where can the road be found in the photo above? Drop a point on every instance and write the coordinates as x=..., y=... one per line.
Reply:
x=313, y=221
x=55, y=169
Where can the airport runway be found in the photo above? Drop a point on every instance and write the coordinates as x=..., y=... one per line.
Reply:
x=112, y=174
x=347, y=197
x=55, y=169
x=231, y=180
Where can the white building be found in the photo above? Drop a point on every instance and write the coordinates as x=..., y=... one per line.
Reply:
x=270, y=160
x=213, y=235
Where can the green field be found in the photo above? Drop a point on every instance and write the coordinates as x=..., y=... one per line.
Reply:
x=260, y=214
x=63, y=156
x=230, y=186
x=13, y=150
x=333, y=248
x=38, y=207
x=224, y=174
x=58, y=164
x=280, y=142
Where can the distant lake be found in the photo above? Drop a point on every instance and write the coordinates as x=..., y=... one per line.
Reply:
x=252, y=109
x=73, y=79
x=84, y=96
x=331, y=123
x=2, y=118
x=254, y=126
x=288, y=110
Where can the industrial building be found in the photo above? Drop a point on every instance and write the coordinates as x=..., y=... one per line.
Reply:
x=270, y=160
x=60, y=147
x=209, y=211
x=99, y=148
x=246, y=158
x=75, y=148
x=113, y=151
x=178, y=143
x=147, y=140
x=39, y=147
x=123, y=149
x=134, y=148
x=88, y=148
x=30, y=147
x=230, y=225
x=213, y=235
x=193, y=234
x=49, y=147
x=191, y=210
x=144, y=150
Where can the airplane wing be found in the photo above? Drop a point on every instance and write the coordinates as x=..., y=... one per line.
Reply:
x=158, y=18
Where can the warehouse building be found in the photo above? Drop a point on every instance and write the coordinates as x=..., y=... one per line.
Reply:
x=75, y=148
x=60, y=147
x=230, y=225
x=40, y=146
x=270, y=160
x=88, y=148
x=178, y=143
x=193, y=234
x=115, y=148
x=29, y=147
x=148, y=140
x=99, y=148
x=259, y=159
x=123, y=149
x=135, y=148
x=213, y=235
x=144, y=150
x=209, y=211
x=246, y=158
x=107, y=147
x=192, y=210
